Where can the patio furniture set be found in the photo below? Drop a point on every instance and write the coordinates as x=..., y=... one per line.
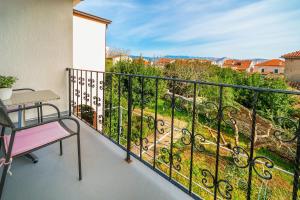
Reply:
x=27, y=136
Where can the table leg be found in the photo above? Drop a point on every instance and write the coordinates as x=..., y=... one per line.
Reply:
x=20, y=118
x=21, y=121
x=32, y=157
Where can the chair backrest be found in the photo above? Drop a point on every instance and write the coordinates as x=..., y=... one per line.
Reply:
x=5, y=121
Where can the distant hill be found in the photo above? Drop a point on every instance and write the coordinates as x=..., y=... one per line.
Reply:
x=175, y=57
x=216, y=59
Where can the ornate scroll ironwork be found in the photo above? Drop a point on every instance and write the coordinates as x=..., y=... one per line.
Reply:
x=287, y=131
x=101, y=83
x=73, y=103
x=268, y=163
x=97, y=101
x=210, y=110
x=241, y=159
x=150, y=122
x=229, y=117
x=91, y=82
x=160, y=124
x=100, y=119
x=223, y=186
x=166, y=157
x=145, y=142
x=77, y=93
x=178, y=102
x=81, y=81
x=86, y=96
x=198, y=139
x=73, y=79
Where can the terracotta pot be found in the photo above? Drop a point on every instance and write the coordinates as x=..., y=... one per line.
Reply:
x=5, y=93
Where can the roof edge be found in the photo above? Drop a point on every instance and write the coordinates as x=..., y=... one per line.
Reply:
x=295, y=54
x=268, y=63
x=91, y=17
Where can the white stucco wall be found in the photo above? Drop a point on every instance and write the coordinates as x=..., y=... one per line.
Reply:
x=36, y=44
x=89, y=49
x=88, y=44
x=268, y=69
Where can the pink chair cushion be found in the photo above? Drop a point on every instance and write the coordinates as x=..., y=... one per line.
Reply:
x=32, y=138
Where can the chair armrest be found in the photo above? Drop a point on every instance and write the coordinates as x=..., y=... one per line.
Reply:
x=36, y=106
x=66, y=127
x=23, y=89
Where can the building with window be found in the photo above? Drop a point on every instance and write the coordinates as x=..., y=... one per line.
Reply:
x=273, y=66
x=292, y=69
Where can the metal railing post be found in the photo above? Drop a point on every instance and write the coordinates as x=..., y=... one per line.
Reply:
x=219, y=118
x=296, y=166
x=129, y=119
x=69, y=74
x=253, y=132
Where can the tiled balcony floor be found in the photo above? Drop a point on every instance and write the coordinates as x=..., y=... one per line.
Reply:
x=106, y=176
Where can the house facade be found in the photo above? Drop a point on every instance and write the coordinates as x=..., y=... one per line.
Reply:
x=292, y=63
x=273, y=66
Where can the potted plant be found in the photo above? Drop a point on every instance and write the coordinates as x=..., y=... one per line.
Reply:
x=6, y=83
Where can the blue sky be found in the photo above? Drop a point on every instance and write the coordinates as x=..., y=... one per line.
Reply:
x=232, y=28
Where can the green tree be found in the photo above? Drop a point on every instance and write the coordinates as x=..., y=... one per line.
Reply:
x=269, y=104
x=138, y=67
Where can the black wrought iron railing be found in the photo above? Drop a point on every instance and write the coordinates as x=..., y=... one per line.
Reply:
x=207, y=143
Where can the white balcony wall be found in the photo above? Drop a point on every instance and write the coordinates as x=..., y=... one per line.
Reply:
x=88, y=44
x=36, y=44
x=89, y=38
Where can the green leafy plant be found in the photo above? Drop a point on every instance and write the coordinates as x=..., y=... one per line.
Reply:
x=7, y=81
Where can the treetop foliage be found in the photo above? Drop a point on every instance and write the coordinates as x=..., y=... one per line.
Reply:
x=268, y=105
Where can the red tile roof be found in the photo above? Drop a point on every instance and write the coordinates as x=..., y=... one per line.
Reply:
x=295, y=54
x=271, y=63
x=240, y=65
x=204, y=61
x=164, y=61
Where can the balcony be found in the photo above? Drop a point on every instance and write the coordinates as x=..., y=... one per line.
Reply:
x=141, y=141
x=106, y=175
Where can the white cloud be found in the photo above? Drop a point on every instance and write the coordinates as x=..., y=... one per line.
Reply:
x=237, y=28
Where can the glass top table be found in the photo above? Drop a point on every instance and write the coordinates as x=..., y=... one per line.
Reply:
x=29, y=97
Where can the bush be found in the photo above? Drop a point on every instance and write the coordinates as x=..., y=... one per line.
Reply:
x=87, y=113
